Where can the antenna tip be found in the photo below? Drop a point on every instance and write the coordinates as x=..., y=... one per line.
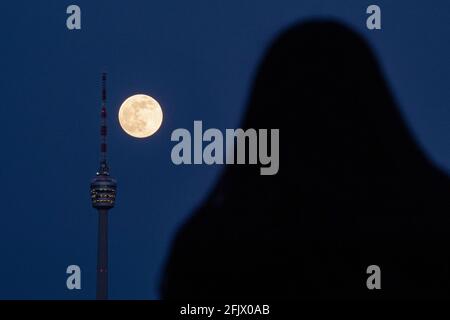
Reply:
x=104, y=86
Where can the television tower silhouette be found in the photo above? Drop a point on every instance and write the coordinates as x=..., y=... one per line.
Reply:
x=103, y=196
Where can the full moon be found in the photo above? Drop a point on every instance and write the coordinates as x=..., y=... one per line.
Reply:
x=140, y=116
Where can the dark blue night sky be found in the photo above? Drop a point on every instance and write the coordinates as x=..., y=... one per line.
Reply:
x=197, y=58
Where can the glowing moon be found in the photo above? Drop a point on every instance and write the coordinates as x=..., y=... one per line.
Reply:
x=140, y=116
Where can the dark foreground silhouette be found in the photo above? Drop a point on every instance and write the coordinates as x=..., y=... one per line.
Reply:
x=353, y=189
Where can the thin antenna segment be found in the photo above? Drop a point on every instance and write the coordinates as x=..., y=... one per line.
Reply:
x=103, y=129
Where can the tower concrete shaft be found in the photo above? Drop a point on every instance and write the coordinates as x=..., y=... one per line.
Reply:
x=102, y=255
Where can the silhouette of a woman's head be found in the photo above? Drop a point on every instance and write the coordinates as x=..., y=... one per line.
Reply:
x=351, y=187
x=320, y=84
